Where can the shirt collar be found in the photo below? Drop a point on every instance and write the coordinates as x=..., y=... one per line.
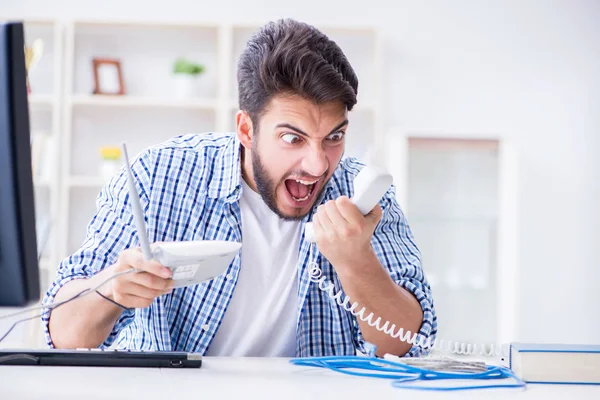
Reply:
x=225, y=182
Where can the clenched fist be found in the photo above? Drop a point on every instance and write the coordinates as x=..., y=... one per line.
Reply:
x=343, y=235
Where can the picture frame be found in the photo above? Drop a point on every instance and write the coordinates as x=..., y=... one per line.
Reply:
x=108, y=76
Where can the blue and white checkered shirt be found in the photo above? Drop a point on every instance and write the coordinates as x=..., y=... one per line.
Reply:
x=189, y=188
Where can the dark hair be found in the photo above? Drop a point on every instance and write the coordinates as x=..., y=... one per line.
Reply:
x=291, y=57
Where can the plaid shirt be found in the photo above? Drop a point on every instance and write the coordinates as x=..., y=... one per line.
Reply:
x=189, y=188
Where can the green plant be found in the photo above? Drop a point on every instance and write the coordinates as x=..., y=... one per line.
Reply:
x=184, y=66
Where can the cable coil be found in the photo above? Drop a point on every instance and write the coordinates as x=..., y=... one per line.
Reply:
x=405, y=371
x=447, y=346
x=403, y=374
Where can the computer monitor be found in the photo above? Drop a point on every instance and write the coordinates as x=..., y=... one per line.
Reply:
x=19, y=273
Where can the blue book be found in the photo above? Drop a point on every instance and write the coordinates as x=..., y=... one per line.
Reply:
x=556, y=363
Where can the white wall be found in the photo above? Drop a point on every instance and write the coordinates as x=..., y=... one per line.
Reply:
x=527, y=69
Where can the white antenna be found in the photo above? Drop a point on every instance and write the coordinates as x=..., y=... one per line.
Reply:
x=136, y=206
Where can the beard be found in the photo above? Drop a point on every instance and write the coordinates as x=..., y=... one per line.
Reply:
x=267, y=189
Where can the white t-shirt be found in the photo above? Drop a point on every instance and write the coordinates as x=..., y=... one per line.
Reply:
x=261, y=317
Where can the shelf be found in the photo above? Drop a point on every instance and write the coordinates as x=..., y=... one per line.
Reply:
x=82, y=181
x=140, y=102
x=144, y=24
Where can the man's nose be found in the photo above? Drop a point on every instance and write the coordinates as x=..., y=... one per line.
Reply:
x=315, y=163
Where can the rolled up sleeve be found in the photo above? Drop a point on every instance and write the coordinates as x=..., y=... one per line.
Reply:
x=395, y=247
x=110, y=231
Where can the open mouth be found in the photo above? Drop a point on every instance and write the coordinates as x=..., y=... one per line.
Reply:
x=301, y=191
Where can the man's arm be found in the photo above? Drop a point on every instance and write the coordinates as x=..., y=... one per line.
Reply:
x=379, y=268
x=74, y=325
x=110, y=232
x=87, y=322
x=367, y=283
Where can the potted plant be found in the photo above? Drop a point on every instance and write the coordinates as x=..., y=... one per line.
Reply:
x=185, y=75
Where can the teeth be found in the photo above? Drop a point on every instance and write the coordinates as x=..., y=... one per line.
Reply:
x=302, y=199
x=310, y=189
x=306, y=182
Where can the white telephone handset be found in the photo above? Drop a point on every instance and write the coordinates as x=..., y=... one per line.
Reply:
x=370, y=185
x=192, y=262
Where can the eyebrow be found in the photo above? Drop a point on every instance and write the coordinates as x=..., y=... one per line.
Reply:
x=299, y=131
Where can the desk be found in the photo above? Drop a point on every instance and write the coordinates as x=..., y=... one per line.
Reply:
x=233, y=378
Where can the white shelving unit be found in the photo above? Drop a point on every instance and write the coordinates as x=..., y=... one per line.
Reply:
x=149, y=113
x=458, y=192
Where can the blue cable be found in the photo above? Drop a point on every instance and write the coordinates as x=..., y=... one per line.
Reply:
x=403, y=375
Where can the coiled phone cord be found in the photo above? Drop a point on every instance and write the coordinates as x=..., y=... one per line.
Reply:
x=453, y=347
x=404, y=374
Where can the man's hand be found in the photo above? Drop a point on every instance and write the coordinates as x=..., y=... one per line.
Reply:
x=343, y=236
x=342, y=233
x=87, y=322
x=138, y=289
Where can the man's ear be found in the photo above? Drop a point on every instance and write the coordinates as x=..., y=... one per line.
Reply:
x=244, y=129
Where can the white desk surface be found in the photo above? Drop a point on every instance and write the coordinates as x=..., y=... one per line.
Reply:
x=228, y=378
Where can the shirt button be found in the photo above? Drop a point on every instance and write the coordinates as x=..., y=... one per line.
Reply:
x=205, y=327
x=229, y=276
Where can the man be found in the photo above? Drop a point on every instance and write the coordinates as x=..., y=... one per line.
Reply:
x=282, y=168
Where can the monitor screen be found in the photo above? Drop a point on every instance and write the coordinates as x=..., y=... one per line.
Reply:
x=19, y=273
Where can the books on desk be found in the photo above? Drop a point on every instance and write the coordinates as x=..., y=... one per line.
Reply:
x=556, y=363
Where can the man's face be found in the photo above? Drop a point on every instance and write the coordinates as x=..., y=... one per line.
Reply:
x=295, y=152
